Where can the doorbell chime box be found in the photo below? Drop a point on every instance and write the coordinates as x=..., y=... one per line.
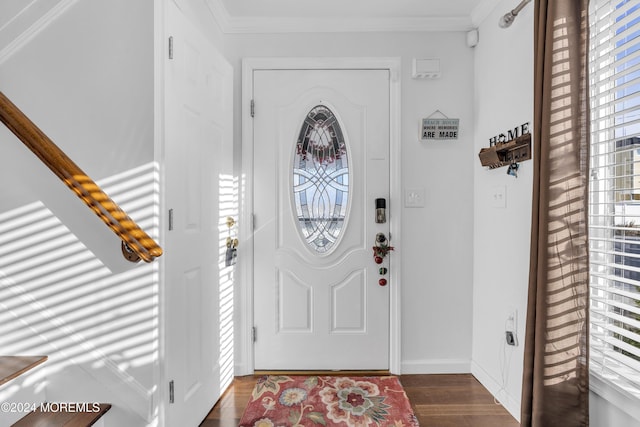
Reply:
x=426, y=68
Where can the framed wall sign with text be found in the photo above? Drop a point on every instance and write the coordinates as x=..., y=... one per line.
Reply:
x=439, y=129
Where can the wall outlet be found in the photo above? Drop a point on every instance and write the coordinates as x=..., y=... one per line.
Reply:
x=511, y=324
x=511, y=327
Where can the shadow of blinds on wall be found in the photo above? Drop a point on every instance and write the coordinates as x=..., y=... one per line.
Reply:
x=133, y=237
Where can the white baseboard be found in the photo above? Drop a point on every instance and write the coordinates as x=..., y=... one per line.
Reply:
x=241, y=369
x=436, y=366
x=509, y=402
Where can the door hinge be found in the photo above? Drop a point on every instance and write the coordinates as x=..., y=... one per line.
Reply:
x=254, y=334
x=171, y=394
x=170, y=220
x=253, y=108
x=170, y=47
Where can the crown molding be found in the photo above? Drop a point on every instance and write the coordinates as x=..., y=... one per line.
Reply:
x=333, y=25
x=253, y=24
x=248, y=25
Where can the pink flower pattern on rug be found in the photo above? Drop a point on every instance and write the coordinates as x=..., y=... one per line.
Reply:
x=301, y=401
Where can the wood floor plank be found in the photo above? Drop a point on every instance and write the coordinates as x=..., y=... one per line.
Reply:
x=453, y=410
x=456, y=400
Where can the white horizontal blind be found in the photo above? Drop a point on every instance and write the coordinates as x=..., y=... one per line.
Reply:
x=614, y=222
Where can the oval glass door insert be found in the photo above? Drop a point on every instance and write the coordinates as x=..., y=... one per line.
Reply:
x=321, y=180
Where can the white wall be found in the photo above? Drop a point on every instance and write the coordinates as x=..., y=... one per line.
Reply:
x=504, y=99
x=501, y=235
x=87, y=81
x=437, y=239
x=201, y=15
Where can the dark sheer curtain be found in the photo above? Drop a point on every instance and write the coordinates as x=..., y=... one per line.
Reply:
x=556, y=373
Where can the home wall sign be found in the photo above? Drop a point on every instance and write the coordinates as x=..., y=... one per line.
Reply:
x=508, y=149
x=511, y=134
x=439, y=128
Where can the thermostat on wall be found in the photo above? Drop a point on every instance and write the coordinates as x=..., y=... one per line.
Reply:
x=426, y=68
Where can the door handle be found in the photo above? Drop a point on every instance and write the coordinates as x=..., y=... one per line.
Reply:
x=381, y=248
x=380, y=251
x=232, y=245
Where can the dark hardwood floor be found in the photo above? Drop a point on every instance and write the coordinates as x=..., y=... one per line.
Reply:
x=438, y=400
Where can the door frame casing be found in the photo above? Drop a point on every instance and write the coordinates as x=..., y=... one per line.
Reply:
x=245, y=357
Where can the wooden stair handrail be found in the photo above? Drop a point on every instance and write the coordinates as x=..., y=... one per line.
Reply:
x=89, y=192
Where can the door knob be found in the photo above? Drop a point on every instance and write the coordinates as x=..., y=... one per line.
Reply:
x=381, y=248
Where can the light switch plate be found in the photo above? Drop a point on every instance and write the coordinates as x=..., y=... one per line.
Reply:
x=414, y=197
x=499, y=196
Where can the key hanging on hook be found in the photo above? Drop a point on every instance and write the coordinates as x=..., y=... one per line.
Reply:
x=513, y=169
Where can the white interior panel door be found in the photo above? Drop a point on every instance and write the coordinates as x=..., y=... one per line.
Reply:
x=198, y=149
x=321, y=159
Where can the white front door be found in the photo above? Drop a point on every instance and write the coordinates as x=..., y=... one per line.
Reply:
x=198, y=157
x=321, y=159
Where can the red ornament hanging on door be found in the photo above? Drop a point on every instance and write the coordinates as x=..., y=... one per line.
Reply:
x=381, y=249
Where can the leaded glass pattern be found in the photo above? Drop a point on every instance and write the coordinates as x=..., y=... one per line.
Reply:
x=321, y=179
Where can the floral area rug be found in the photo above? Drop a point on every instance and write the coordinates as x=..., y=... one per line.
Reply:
x=306, y=401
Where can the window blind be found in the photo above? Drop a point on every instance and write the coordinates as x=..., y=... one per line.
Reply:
x=614, y=199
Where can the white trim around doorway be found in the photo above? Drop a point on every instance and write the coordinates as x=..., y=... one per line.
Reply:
x=244, y=343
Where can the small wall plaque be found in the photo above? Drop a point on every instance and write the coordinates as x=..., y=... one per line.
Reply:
x=439, y=128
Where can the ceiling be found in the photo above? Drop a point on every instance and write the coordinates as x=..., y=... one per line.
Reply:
x=350, y=15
